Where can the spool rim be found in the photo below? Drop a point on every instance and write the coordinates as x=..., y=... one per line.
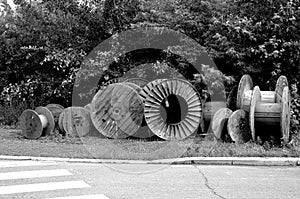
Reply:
x=46, y=112
x=285, y=115
x=154, y=119
x=141, y=82
x=256, y=97
x=245, y=84
x=281, y=83
x=34, y=116
x=60, y=121
x=217, y=124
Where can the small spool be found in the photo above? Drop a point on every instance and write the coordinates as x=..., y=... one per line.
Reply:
x=55, y=109
x=75, y=121
x=219, y=121
x=245, y=92
x=277, y=113
x=238, y=126
x=36, y=123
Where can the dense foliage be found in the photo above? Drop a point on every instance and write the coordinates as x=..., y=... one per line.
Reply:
x=43, y=44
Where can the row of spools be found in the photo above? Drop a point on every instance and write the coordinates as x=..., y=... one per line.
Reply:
x=169, y=108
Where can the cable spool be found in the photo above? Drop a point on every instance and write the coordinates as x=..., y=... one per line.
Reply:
x=245, y=92
x=173, y=109
x=75, y=121
x=219, y=121
x=55, y=109
x=117, y=111
x=277, y=113
x=36, y=123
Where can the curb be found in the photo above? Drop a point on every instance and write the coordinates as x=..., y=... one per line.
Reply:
x=235, y=161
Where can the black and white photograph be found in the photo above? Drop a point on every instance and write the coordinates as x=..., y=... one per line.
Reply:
x=154, y=99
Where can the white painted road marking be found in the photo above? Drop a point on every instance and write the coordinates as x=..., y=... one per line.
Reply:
x=98, y=196
x=42, y=187
x=24, y=164
x=34, y=174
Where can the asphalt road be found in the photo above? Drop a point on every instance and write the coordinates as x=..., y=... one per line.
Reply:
x=32, y=179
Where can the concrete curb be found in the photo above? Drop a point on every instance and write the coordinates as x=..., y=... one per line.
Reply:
x=244, y=161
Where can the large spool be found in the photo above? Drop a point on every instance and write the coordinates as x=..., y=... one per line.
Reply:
x=275, y=114
x=117, y=111
x=245, y=92
x=36, y=123
x=173, y=109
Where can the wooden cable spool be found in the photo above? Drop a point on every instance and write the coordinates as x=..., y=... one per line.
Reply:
x=173, y=109
x=117, y=111
x=238, y=126
x=36, y=123
x=75, y=121
x=55, y=109
x=245, y=92
x=210, y=108
x=219, y=121
x=277, y=113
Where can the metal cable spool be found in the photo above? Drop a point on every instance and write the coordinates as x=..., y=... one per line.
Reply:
x=55, y=109
x=245, y=91
x=36, y=123
x=75, y=121
x=117, y=111
x=173, y=109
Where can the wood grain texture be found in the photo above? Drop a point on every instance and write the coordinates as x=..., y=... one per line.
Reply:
x=117, y=111
x=285, y=115
x=256, y=98
x=238, y=127
x=219, y=122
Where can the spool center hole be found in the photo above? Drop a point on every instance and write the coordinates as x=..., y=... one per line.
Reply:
x=173, y=109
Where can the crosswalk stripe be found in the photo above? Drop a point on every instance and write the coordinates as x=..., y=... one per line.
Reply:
x=24, y=164
x=34, y=174
x=25, y=188
x=97, y=196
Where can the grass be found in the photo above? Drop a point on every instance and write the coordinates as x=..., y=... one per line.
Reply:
x=13, y=143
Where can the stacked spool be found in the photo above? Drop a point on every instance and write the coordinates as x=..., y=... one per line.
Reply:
x=260, y=109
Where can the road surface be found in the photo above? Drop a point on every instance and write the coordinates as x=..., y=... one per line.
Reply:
x=33, y=179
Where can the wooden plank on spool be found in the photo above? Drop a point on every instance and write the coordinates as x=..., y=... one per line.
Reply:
x=267, y=112
x=218, y=122
x=148, y=87
x=141, y=82
x=238, y=127
x=76, y=122
x=158, y=95
x=31, y=124
x=256, y=98
x=245, y=84
x=210, y=108
x=117, y=111
x=50, y=119
x=55, y=109
x=285, y=115
x=282, y=82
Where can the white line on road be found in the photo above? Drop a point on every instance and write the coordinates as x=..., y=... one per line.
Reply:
x=42, y=187
x=8, y=164
x=34, y=174
x=97, y=196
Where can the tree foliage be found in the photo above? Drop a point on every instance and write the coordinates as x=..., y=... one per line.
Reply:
x=44, y=43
